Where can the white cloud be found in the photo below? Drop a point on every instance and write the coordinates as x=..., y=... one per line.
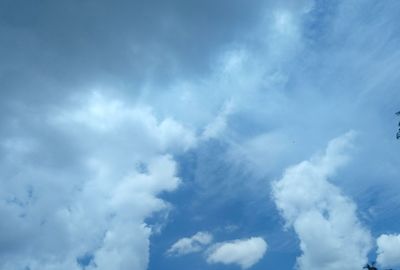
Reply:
x=105, y=117
x=243, y=252
x=96, y=198
x=325, y=220
x=192, y=244
x=388, y=249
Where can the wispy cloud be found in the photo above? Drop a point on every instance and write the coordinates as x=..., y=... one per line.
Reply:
x=195, y=243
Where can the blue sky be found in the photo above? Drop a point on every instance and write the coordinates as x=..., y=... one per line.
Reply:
x=207, y=134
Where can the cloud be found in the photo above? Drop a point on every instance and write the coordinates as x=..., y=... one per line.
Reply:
x=92, y=197
x=242, y=252
x=125, y=49
x=388, y=250
x=192, y=244
x=331, y=236
x=72, y=171
x=218, y=125
x=105, y=116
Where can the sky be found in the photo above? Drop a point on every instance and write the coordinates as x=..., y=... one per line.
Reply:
x=181, y=134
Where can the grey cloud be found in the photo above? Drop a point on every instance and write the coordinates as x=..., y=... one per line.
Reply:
x=49, y=46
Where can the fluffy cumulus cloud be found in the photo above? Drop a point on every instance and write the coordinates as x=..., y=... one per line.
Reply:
x=77, y=188
x=388, y=249
x=324, y=219
x=242, y=252
x=192, y=244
